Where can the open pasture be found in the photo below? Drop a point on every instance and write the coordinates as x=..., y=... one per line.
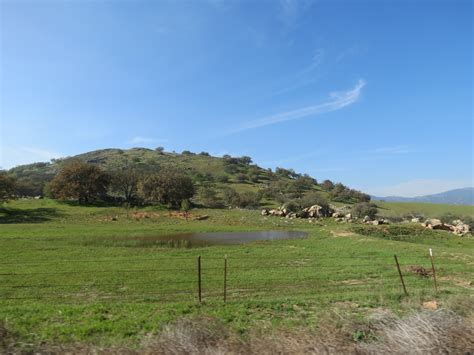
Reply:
x=99, y=275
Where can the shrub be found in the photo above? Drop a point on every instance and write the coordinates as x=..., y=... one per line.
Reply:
x=292, y=206
x=223, y=179
x=254, y=177
x=249, y=199
x=241, y=177
x=209, y=198
x=314, y=198
x=7, y=186
x=363, y=209
x=230, y=197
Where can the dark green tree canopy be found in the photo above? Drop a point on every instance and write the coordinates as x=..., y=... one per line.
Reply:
x=80, y=181
x=168, y=187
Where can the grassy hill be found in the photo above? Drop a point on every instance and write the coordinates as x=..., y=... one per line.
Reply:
x=205, y=170
x=216, y=172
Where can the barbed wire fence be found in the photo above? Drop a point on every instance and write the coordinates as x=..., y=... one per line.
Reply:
x=233, y=279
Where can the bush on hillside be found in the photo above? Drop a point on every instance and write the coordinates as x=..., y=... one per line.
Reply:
x=241, y=177
x=209, y=198
x=248, y=199
x=230, y=197
x=223, y=179
x=327, y=185
x=342, y=193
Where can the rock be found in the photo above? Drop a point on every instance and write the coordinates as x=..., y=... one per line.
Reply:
x=415, y=220
x=432, y=223
x=457, y=221
x=458, y=227
x=337, y=214
x=366, y=219
x=461, y=229
x=348, y=216
x=265, y=212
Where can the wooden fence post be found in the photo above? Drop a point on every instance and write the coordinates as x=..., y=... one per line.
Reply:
x=401, y=276
x=225, y=279
x=199, y=278
x=434, y=271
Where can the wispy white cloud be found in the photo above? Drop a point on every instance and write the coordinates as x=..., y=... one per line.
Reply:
x=418, y=187
x=338, y=100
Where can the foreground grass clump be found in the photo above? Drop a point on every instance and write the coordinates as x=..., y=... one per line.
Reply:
x=424, y=332
x=89, y=274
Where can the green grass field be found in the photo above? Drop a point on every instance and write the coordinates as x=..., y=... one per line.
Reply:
x=432, y=210
x=96, y=275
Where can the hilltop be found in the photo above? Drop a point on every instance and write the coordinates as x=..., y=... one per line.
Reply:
x=218, y=173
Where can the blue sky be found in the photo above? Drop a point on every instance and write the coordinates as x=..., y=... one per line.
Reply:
x=376, y=94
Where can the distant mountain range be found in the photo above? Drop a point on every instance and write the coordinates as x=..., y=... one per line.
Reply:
x=464, y=196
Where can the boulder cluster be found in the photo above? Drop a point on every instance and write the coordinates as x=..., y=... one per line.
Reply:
x=314, y=211
x=457, y=227
x=340, y=214
x=343, y=214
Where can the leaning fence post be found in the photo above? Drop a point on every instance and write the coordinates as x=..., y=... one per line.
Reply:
x=434, y=271
x=199, y=277
x=225, y=278
x=401, y=276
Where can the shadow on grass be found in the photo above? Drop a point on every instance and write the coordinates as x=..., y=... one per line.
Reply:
x=90, y=204
x=33, y=215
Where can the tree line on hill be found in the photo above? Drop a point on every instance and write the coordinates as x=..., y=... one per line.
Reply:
x=135, y=184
